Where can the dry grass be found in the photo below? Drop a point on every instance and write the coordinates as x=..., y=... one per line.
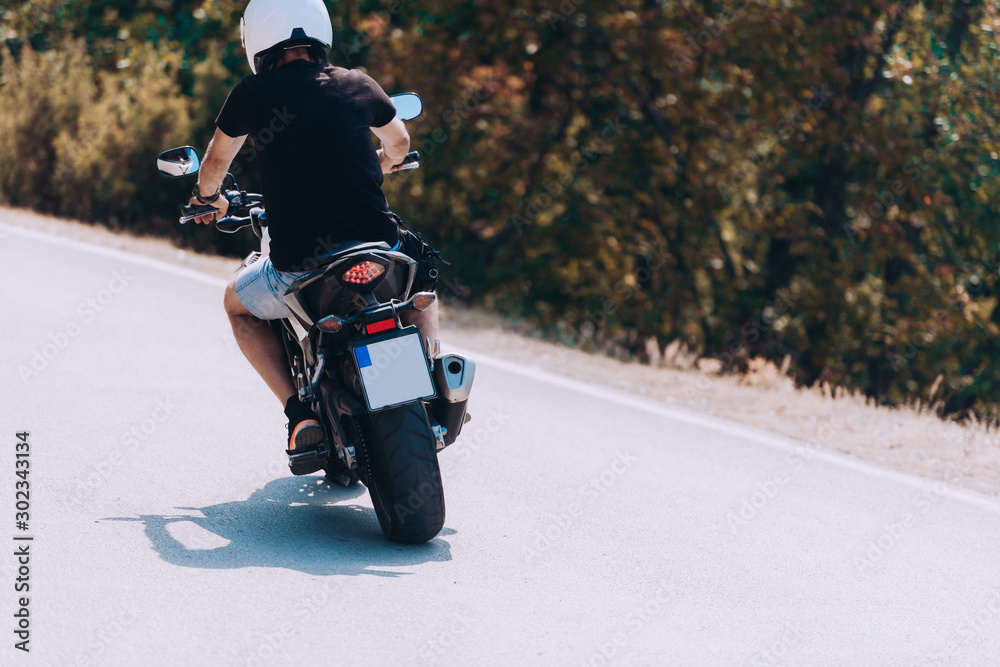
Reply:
x=910, y=439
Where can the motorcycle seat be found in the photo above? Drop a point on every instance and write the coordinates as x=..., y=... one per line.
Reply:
x=334, y=252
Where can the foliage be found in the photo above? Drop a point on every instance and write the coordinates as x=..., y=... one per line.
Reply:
x=754, y=177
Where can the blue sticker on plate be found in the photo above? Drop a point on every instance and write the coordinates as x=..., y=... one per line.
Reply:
x=364, y=359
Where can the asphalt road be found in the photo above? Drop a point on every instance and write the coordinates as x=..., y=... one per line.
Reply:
x=585, y=526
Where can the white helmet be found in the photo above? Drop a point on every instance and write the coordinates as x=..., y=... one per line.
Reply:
x=271, y=26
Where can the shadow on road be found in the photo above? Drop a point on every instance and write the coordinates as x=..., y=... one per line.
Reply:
x=293, y=523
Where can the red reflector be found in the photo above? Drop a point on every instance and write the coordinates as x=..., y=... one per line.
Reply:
x=384, y=325
x=363, y=273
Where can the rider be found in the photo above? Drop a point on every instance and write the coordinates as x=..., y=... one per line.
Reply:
x=310, y=123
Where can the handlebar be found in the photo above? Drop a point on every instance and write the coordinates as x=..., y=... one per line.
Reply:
x=189, y=213
x=239, y=202
x=243, y=203
x=229, y=224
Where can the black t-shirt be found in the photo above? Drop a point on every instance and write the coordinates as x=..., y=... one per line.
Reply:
x=321, y=176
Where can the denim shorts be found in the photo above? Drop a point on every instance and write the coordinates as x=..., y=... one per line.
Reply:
x=261, y=289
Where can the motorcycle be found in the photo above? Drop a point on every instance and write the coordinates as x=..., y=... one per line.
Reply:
x=388, y=400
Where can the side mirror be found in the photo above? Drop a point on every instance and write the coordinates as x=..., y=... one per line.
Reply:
x=408, y=106
x=178, y=162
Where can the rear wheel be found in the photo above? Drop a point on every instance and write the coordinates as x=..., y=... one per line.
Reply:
x=405, y=479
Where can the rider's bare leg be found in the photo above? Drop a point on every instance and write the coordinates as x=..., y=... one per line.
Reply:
x=260, y=345
x=426, y=321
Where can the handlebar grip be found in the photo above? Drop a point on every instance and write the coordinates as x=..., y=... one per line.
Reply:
x=411, y=161
x=189, y=213
x=230, y=224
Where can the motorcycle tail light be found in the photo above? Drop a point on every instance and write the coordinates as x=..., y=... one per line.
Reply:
x=363, y=273
x=383, y=325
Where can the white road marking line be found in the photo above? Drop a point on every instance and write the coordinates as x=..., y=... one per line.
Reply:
x=123, y=255
x=730, y=428
x=613, y=396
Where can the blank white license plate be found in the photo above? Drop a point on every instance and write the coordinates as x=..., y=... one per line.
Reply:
x=393, y=370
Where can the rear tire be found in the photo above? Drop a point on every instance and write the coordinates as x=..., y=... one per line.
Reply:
x=405, y=478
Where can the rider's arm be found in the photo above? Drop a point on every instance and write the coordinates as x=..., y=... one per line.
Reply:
x=395, y=143
x=222, y=150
